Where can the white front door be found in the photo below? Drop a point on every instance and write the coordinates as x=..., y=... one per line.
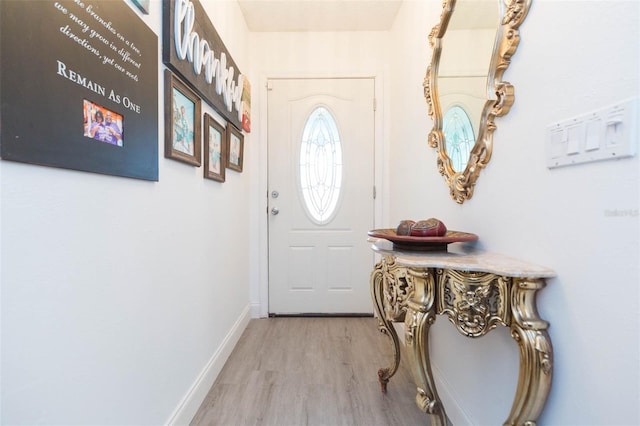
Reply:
x=321, y=195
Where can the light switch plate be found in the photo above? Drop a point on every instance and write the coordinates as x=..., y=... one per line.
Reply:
x=606, y=134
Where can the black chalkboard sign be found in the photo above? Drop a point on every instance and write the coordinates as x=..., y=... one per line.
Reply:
x=79, y=87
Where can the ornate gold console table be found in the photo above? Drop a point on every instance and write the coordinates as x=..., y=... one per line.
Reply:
x=477, y=291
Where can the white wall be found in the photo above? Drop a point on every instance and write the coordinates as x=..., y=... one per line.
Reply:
x=574, y=57
x=122, y=298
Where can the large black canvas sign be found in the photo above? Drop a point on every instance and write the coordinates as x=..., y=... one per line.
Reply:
x=192, y=48
x=79, y=87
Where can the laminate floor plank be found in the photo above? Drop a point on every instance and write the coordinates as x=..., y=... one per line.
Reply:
x=310, y=371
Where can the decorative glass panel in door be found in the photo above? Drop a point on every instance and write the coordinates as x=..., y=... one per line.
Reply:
x=320, y=165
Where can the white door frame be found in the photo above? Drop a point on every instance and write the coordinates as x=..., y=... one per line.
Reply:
x=259, y=286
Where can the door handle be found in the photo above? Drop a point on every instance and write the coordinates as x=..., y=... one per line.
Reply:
x=275, y=211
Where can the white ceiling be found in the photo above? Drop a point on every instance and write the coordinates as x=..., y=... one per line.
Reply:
x=319, y=15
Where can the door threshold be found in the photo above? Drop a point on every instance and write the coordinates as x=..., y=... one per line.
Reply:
x=322, y=315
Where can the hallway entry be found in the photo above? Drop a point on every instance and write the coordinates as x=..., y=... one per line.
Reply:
x=321, y=195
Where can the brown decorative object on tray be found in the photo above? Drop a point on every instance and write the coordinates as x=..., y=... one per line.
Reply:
x=417, y=243
x=429, y=228
x=405, y=227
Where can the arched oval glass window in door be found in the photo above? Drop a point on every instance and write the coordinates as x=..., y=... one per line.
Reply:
x=320, y=165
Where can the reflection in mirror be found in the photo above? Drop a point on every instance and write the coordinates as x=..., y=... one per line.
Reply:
x=459, y=136
x=472, y=46
x=463, y=71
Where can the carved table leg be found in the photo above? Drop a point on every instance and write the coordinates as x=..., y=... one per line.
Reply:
x=384, y=325
x=421, y=313
x=536, y=354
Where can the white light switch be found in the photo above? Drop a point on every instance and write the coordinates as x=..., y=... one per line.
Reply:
x=614, y=131
x=574, y=138
x=558, y=143
x=593, y=134
x=605, y=134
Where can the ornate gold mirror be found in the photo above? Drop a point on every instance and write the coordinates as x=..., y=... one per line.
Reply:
x=472, y=47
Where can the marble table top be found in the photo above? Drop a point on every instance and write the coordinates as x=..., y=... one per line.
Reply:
x=463, y=258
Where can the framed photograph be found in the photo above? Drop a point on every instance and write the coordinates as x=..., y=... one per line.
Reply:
x=143, y=5
x=215, y=149
x=235, y=148
x=182, y=121
x=102, y=124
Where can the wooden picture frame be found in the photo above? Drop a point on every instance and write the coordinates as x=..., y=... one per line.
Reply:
x=215, y=149
x=235, y=148
x=182, y=121
x=143, y=5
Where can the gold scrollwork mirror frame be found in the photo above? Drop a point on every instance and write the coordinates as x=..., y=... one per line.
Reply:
x=462, y=183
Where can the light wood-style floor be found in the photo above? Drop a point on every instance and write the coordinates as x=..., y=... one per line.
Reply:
x=310, y=371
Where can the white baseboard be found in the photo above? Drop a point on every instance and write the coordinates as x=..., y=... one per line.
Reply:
x=256, y=311
x=189, y=405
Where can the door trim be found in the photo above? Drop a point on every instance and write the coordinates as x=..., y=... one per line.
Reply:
x=259, y=287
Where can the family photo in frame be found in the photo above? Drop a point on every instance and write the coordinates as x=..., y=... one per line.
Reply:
x=215, y=149
x=102, y=124
x=235, y=148
x=182, y=121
